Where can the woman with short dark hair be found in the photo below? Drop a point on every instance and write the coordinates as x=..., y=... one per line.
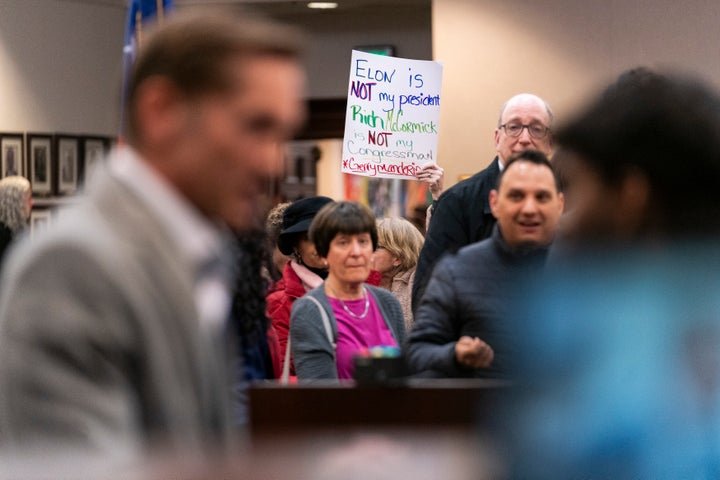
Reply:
x=344, y=315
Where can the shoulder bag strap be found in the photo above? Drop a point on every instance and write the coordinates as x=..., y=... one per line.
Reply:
x=326, y=322
x=284, y=378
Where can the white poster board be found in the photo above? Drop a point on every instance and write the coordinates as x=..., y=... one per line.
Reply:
x=393, y=109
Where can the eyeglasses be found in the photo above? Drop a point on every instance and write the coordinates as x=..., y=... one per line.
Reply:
x=536, y=130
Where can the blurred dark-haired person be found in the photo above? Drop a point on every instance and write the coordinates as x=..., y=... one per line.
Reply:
x=624, y=157
x=344, y=315
x=462, y=327
x=620, y=370
x=462, y=214
x=113, y=322
x=247, y=321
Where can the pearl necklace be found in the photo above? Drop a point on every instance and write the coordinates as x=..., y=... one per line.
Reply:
x=365, y=310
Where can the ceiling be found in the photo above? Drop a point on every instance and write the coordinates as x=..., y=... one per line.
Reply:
x=289, y=9
x=286, y=7
x=294, y=11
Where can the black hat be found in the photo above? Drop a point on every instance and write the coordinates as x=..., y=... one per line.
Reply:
x=297, y=219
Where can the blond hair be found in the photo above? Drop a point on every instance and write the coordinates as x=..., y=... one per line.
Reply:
x=402, y=239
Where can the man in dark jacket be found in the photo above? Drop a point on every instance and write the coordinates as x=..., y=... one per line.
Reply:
x=461, y=327
x=462, y=215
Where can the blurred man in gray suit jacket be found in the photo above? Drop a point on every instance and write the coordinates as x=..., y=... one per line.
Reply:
x=112, y=323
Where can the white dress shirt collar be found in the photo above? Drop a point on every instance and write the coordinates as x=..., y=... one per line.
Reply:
x=197, y=237
x=204, y=244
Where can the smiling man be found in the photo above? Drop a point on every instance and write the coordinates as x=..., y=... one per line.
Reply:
x=462, y=215
x=461, y=327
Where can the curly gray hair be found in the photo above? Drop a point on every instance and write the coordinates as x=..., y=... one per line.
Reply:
x=14, y=207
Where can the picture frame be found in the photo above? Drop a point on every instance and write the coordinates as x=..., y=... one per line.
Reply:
x=67, y=164
x=94, y=150
x=40, y=154
x=384, y=50
x=12, y=154
x=40, y=219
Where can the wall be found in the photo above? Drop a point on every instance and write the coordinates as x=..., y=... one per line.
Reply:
x=60, y=65
x=332, y=37
x=61, y=60
x=562, y=50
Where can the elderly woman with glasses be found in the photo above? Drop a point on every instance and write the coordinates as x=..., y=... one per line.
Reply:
x=345, y=315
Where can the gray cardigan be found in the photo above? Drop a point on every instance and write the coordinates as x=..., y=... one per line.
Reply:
x=313, y=354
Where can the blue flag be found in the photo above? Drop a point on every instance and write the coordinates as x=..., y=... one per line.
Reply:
x=140, y=13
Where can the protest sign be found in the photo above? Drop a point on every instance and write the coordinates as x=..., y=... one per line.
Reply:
x=391, y=123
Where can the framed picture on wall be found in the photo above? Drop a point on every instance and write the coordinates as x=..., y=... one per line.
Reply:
x=67, y=155
x=39, y=220
x=12, y=154
x=94, y=148
x=40, y=165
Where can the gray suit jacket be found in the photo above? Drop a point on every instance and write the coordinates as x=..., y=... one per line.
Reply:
x=100, y=345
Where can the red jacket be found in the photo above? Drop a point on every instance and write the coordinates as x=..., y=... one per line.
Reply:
x=279, y=306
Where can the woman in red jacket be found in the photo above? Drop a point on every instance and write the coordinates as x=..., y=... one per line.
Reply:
x=302, y=273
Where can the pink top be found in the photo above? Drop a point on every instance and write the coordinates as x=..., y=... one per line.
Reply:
x=354, y=334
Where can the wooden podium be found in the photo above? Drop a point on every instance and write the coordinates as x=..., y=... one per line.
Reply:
x=456, y=404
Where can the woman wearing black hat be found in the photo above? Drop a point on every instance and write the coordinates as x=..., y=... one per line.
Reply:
x=301, y=274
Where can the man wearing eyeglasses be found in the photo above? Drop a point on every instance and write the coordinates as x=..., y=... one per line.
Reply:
x=462, y=214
